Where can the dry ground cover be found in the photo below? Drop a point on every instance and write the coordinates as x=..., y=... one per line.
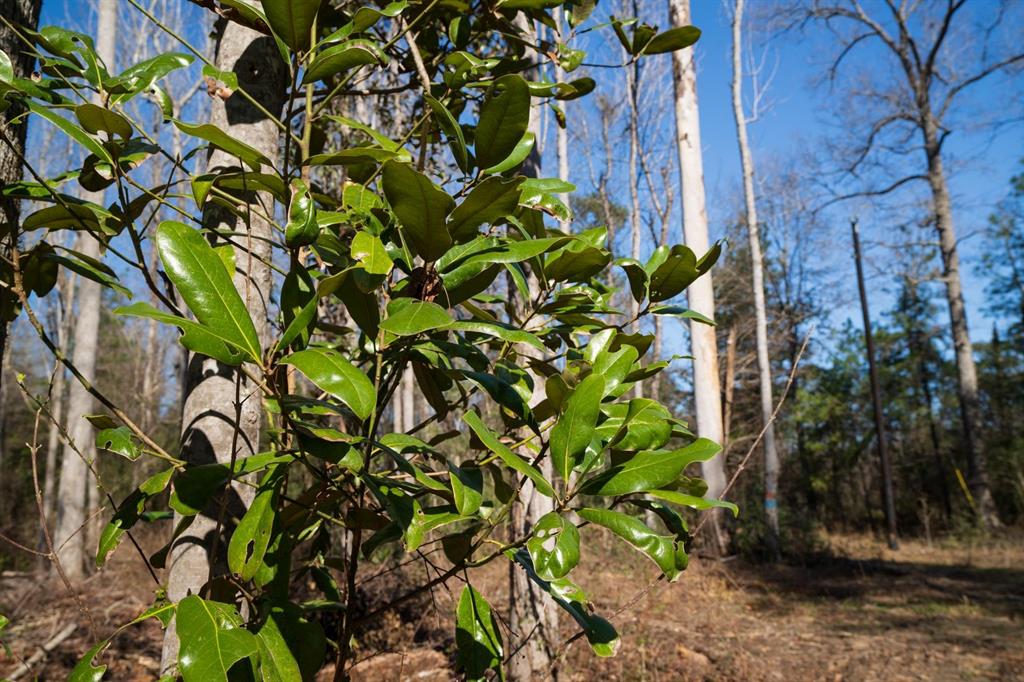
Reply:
x=949, y=611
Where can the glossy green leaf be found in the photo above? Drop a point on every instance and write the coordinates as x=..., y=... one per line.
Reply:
x=554, y=546
x=666, y=551
x=650, y=469
x=227, y=143
x=85, y=670
x=128, y=513
x=467, y=488
x=511, y=459
x=672, y=40
x=683, y=313
x=416, y=317
x=452, y=130
x=302, y=228
x=421, y=207
x=518, y=154
x=251, y=538
x=601, y=634
x=292, y=20
x=645, y=426
x=195, y=337
x=120, y=441
x=333, y=373
x=96, y=119
x=477, y=638
x=575, y=427
x=199, y=276
x=212, y=640
x=676, y=497
x=490, y=202
x=79, y=135
x=340, y=58
x=504, y=119
x=371, y=254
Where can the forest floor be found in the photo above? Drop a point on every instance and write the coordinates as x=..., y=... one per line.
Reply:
x=952, y=610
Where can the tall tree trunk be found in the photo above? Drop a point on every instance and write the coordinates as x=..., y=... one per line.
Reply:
x=706, y=382
x=730, y=387
x=876, y=400
x=562, y=132
x=408, y=398
x=77, y=488
x=24, y=14
x=967, y=376
x=764, y=368
x=633, y=91
x=533, y=616
x=222, y=408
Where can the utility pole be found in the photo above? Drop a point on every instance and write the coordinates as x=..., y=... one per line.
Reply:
x=876, y=397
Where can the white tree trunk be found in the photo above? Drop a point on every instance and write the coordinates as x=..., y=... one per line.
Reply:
x=533, y=616
x=75, y=479
x=222, y=409
x=706, y=383
x=764, y=368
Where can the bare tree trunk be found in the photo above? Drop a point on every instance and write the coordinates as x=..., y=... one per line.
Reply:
x=408, y=399
x=967, y=376
x=730, y=386
x=633, y=89
x=876, y=401
x=25, y=14
x=764, y=368
x=222, y=408
x=562, y=132
x=77, y=489
x=706, y=386
x=533, y=616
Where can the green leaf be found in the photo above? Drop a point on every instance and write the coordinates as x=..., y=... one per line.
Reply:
x=353, y=157
x=503, y=332
x=416, y=317
x=340, y=58
x=199, y=276
x=292, y=20
x=511, y=459
x=650, y=469
x=637, y=276
x=645, y=426
x=682, y=312
x=668, y=552
x=251, y=538
x=212, y=640
x=195, y=337
x=118, y=440
x=421, y=208
x=96, y=119
x=227, y=143
x=452, y=130
x=84, y=670
x=477, y=638
x=371, y=254
x=91, y=144
x=128, y=514
x=516, y=157
x=554, y=546
x=676, y=497
x=292, y=648
x=302, y=228
x=490, y=202
x=504, y=119
x=601, y=634
x=467, y=488
x=333, y=373
x=575, y=428
x=672, y=40
x=298, y=308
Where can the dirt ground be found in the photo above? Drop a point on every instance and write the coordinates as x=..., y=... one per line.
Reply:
x=946, y=611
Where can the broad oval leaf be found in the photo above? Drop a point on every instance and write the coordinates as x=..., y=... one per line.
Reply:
x=575, y=428
x=421, y=207
x=292, y=20
x=511, y=459
x=477, y=637
x=504, y=119
x=673, y=39
x=212, y=639
x=200, y=277
x=416, y=317
x=650, y=469
x=668, y=552
x=333, y=373
x=554, y=546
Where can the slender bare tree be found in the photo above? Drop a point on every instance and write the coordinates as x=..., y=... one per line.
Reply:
x=222, y=408
x=906, y=109
x=707, y=392
x=764, y=367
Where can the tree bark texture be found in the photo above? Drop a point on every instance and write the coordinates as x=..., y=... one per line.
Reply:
x=222, y=409
x=764, y=368
x=706, y=382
